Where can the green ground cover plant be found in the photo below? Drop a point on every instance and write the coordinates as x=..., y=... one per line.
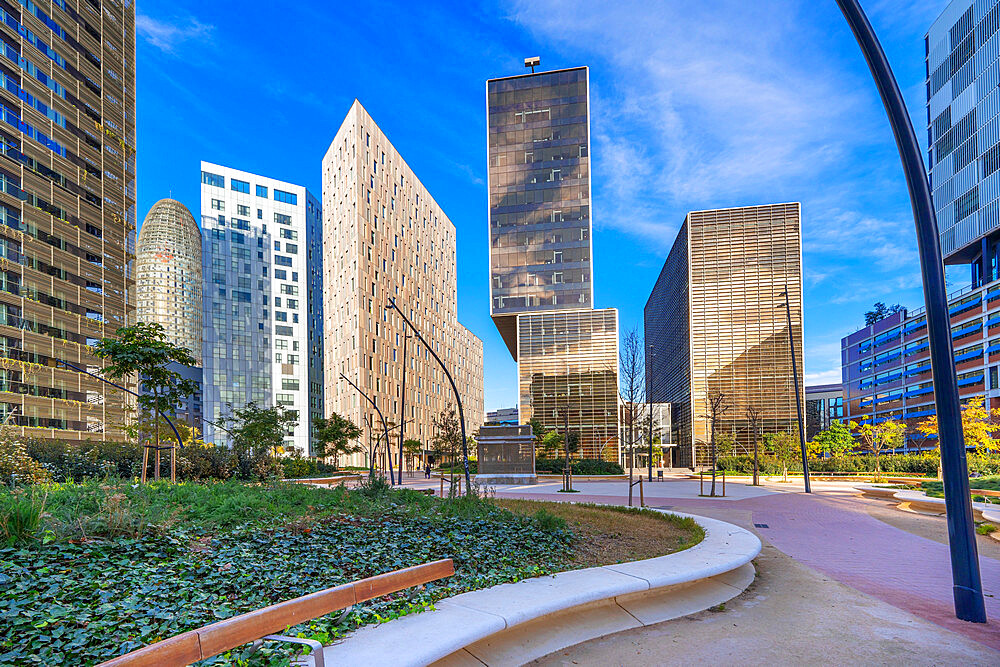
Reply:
x=111, y=566
x=898, y=464
x=992, y=483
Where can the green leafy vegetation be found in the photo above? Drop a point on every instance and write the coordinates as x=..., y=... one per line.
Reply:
x=936, y=489
x=899, y=464
x=110, y=566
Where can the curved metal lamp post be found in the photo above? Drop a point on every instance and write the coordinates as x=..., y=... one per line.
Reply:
x=454, y=388
x=798, y=397
x=968, y=586
x=385, y=427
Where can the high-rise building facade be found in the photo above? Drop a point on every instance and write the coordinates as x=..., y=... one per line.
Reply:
x=168, y=288
x=263, y=307
x=384, y=237
x=168, y=274
x=962, y=52
x=887, y=370
x=67, y=204
x=541, y=282
x=715, y=324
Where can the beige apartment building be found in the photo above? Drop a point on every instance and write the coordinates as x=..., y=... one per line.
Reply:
x=384, y=237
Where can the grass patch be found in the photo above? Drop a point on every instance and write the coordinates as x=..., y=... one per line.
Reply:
x=985, y=528
x=609, y=534
x=935, y=488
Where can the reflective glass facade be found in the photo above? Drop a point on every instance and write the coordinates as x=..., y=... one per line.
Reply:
x=262, y=301
x=715, y=323
x=539, y=189
x=541, y=282
x=568, y=361
x=962, y=51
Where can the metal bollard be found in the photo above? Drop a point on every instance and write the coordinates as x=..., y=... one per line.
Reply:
x=642, y=501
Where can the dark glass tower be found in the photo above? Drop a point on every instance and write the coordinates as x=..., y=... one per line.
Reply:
x=67, y=207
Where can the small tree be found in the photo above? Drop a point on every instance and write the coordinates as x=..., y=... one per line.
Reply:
x=412, y=448
x=335, y=435
x=551, y=443
x=876, y=438
x=833, y=441
x=880, y=311
x=142, y=349
x=782, y=445
x=257, y=437
x=448, y=439
x=753, y=421
x=979, y=425
x=717, y=406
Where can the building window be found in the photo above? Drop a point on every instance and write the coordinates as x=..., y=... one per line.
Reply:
x=282, y=219
x=262, y=191
x=289, y=384
x=242, y=210
x=282, y=260
x=213, y=179
x=285, y=399
x=239, y=186
x=218, y=205
x=286, y=197
x=994, y=384
x=290, y=234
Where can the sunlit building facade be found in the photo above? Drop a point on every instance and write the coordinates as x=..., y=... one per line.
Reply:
x=541, y=282
x=385, y=237
x=715, y=324
x=168, y=288
x=262, y=301
x=67, y=206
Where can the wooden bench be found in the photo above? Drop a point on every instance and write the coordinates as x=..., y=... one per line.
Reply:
x=217, y=638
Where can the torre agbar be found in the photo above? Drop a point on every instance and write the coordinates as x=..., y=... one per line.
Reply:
x=715, y=324
x=541, y=283
x=67, y=207
x=384, y=237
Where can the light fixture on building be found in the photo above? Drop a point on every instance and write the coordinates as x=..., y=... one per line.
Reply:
x=532, y=62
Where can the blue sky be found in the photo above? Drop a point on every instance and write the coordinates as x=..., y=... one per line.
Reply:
x=694, y=105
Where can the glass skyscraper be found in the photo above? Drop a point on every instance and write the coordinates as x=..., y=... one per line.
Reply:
x=715, y=324
x=962, y=48
x=263, y=305
x=541, y=283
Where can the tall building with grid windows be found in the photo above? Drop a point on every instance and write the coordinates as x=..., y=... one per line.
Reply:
x=715, y=323
x=67, y=207
x=263, y=308
x=962, y=53
x=168, y=287
x=385, y=237
x=541, y=279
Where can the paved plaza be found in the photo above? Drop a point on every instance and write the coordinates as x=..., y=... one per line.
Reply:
x=877, y=578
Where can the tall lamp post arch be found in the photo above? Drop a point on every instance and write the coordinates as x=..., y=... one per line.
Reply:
x=967, y=581
x=385, y=428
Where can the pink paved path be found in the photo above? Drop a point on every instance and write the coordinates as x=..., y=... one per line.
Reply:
x=832, y=533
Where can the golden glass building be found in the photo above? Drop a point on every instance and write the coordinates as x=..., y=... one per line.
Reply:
x=67, y=208
x=541, y=280
x=716, y=323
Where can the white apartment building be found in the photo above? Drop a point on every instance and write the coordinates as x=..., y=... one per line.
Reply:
x=262, y=272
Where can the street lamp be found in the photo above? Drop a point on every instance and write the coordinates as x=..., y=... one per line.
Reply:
x=967, y=581
x=798, y=399
x=454, y=388
x=385, y=427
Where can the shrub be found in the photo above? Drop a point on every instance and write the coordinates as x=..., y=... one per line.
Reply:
x=296, y=467
x=17, y=467
x=197, y=462
x=579, y=466
x=20, y=516
x=910, y=464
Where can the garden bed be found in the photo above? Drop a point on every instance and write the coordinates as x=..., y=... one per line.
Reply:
x=115, y=566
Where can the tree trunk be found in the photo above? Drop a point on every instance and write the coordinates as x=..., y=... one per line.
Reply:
x=156, y=464
x=712, y=451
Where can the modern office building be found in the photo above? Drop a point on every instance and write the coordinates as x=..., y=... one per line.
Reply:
x=715, y=324
x=385, y=237
x=261, y=268
x=963, y=133
x=168, y=287
x=887, y=370
x=541, y=282
x=67, y=204
x=824, y=405
x=502, y=417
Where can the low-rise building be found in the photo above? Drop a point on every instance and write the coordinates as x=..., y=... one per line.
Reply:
x=824, y=405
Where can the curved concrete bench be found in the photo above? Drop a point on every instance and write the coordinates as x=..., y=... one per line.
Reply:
x=872, y=491
x=516, y=623
x=918, y=501
x=991, y=515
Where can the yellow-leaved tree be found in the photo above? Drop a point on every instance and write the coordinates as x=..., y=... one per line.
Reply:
x=876, y=438
x=980, y=426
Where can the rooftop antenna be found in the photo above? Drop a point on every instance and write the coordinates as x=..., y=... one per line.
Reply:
x=532, y=62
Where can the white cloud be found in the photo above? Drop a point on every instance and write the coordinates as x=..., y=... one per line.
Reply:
x=712, y=104
x=167, y=36
x=832, y=376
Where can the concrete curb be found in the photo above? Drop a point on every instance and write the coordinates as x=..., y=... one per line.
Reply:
x=918, y=501
x=516, y=623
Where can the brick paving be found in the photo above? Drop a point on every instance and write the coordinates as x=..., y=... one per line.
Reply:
x=830, y=531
